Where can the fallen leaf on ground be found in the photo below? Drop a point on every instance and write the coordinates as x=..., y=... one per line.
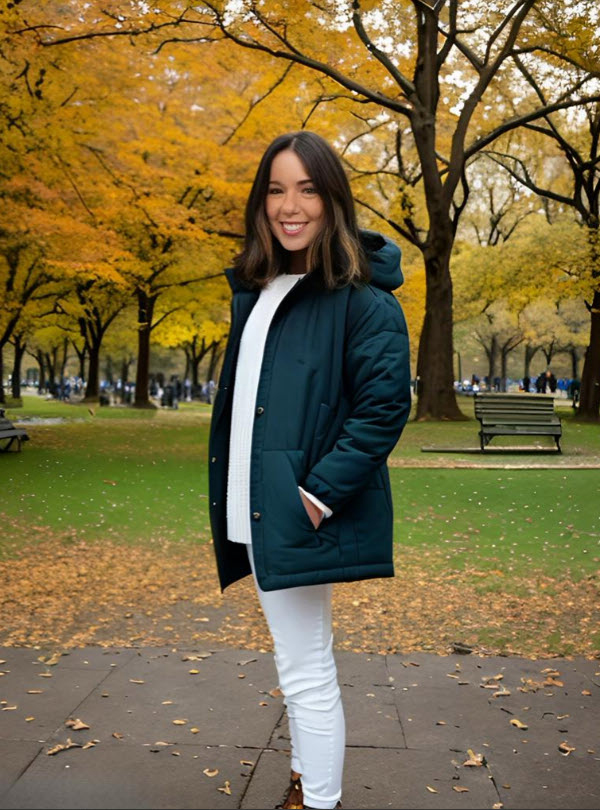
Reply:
x=474, y=760
x=63, y=747
x=76, y=724
x=565, y=749
x=460, y=789
x=50, y=660
x=551, y=681
x=210, y=772
x=226, y=788
x=431, y=789
x=519, y=724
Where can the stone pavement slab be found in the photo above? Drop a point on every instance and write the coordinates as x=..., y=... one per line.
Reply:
x=207, y=728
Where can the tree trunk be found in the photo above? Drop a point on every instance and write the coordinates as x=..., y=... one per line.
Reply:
x=125, y=363
x=51, y=360
x=503, y=366
x=215, y=356
x=574, y=363
x=64, y=359
x=42, y=382
x=589, y=403
x=492, y=360
x=92, y=388
x=436, y=395
x=17, y=364
x=81, y=358
x=142, y=378
x=529, y=355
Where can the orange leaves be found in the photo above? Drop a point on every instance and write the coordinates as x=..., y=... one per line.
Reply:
x=76, y=724
x=397, y=614
x=474, y=760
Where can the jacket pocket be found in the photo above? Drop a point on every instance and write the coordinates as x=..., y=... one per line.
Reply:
x=287, y=523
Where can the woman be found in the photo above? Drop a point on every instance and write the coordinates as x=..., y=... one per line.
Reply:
x=313, y=395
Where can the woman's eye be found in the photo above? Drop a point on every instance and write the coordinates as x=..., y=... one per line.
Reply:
x=274, y=191
x=310, y=190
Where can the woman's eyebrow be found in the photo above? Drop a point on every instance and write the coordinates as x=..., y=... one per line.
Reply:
x=299, y=183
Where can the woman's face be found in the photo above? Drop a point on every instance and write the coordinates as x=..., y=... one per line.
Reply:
x=294, y=209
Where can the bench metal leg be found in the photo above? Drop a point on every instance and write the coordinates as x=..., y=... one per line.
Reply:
x=9, y=441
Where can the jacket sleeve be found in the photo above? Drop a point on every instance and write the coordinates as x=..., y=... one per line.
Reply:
x=378, y=375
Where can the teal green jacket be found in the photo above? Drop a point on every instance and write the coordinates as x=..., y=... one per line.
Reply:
x=333, y=398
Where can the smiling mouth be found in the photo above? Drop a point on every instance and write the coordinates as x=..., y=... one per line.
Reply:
x=292, y=228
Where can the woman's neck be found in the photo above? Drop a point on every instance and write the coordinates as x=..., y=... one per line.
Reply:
x=297, y=265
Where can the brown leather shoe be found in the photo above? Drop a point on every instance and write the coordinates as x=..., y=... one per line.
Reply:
x=293, y=799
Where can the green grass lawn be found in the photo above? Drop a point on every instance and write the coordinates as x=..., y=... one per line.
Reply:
x=139, y=477
x=511, y=520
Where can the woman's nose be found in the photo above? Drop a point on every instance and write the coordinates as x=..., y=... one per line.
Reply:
x=289, y=204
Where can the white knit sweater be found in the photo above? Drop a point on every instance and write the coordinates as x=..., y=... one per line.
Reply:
x=252, y=346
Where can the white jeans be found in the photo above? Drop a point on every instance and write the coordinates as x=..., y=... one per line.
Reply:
x=300, y=622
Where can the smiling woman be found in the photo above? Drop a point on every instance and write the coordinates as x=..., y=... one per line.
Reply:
x=313, y=396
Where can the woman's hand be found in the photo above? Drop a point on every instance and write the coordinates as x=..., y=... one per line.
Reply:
x=315, y=514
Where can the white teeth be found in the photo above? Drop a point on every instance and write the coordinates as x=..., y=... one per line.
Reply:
x=288, y=227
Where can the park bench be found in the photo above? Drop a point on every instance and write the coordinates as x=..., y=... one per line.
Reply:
x=10, y=434
x=516, y=415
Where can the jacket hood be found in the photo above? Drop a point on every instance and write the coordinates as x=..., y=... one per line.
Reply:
x=384, y=260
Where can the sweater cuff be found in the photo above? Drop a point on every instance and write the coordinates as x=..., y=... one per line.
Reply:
x=327, y=513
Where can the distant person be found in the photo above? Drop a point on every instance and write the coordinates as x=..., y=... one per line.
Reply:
x=574, y=390
x=210, y=391
x=540, y=383
x=526, y=383
x=299, y=487
x=551, y=381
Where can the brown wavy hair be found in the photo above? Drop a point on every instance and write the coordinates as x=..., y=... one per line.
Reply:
x=336, y=255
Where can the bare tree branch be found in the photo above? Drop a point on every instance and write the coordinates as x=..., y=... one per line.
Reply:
x=401, y=80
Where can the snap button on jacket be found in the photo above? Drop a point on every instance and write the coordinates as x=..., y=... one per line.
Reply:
x=334, y=394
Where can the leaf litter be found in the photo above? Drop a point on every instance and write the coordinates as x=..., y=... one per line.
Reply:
x=81, y=594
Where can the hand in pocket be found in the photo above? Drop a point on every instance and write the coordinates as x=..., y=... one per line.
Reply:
x=315, y=514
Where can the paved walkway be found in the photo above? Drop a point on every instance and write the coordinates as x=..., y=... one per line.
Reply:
x=206, y=729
